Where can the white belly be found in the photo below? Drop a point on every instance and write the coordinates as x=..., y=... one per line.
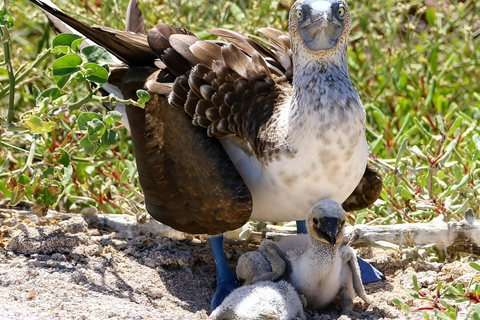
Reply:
x=318, y=280
x=285, y=189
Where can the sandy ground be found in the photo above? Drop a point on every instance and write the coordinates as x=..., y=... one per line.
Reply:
x=69, y=268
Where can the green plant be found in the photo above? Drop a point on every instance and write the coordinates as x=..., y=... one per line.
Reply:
x=445, y=303
x=413, y=63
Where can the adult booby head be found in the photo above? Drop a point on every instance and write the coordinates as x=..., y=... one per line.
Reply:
x=319, y=29
x=326, y=222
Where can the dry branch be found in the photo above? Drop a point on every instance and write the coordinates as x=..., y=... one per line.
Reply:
x=457, y=235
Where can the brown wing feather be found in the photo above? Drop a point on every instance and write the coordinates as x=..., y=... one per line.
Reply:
x=134, y=18
x=229, y=95
x=367, y=191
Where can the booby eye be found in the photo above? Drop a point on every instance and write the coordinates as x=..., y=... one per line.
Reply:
x=299, y=14
x=341, y=12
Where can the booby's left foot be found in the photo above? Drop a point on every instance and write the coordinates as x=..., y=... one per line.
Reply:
x=226, y=282
x=369, y=273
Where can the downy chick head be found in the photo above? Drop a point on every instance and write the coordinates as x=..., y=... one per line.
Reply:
x=319, y=27
x=326, y=222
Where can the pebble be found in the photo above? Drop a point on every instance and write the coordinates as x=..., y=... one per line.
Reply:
x=22, y=226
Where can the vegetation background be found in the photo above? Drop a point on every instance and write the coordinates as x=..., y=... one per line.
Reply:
x=415, y=65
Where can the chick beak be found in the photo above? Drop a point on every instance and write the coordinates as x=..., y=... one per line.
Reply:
x=326, y=229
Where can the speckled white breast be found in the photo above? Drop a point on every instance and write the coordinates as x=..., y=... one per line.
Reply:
x=324, y=167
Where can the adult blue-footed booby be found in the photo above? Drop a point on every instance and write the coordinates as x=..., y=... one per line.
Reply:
x=250, y=130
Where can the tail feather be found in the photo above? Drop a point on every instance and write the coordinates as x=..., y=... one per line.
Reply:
x=130, y=48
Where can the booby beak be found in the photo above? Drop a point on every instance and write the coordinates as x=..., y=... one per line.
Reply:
x=320, y=23
x=326, y=229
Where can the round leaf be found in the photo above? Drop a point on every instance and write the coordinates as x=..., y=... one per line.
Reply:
x=65, y=39
x=85, y=117
x=89, y=147
x=97, y=54
x=23, y=179
x=64, y=158
x=37, y=125
x=113, y=116
x=143, y=96
x=96, y=73
x=110, y=139
x=6, y=18
x=66, y=65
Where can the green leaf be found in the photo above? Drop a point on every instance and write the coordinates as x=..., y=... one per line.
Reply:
x=125, y=176
x=66, y=65
x=237, y=13
x=64, y=157
x=418, y=152
x=95, y=126
x=47, y=97
x=143, y=96
x=475, y=266
x=457, y=172
x=415, y=284
x=380, y=118
x=401, y=151
x=61, y=82
x=89, y=147
x=110, y=139
x=460, y=289
x=431, y=16
x=37, y=125
x=406, y=308
x=476, y=314
x=433, y=59
x=360, y=217
x=65, y=39
x=97, y=54
x=113, y=116
x=6, y=18
x=454, y=290
x=62, y=50
x=458, y=122
x=97, y=73
x=398, y=302
x=439, y=286
x=75, y=44
x=67, y=173
x=23, y=179
x=86, y=117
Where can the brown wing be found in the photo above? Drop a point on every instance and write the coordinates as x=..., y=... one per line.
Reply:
x=367, y=191
x=188, y=180
x=226, y=89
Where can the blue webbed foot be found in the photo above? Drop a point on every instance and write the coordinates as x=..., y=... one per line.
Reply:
x=226, y=282
x=222, y=291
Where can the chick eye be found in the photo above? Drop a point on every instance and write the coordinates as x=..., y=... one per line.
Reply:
x=299, y=14
x=341, y=12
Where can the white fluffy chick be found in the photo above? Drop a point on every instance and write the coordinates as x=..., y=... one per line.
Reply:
x=262, y=300
x=323, y=270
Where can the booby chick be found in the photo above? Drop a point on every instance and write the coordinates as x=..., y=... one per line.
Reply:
x=324, y=270
x=266, y=264
x=263, y=300
x=317, y=264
